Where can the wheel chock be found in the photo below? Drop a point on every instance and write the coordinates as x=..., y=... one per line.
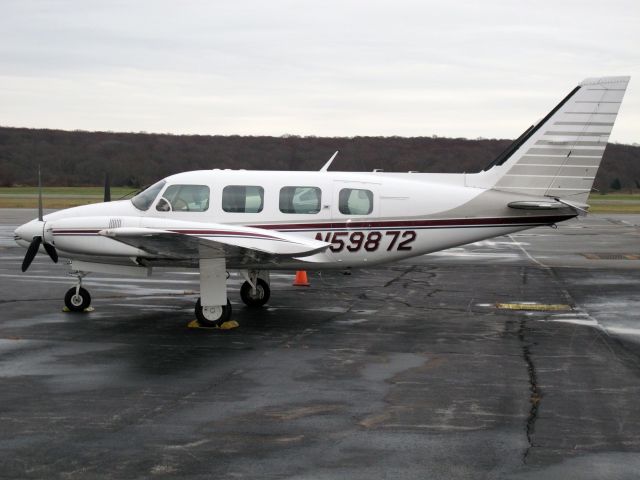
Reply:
x=86, y=310
x=228, y=325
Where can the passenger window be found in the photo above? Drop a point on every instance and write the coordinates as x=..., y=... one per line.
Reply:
x=243, y=199
x=184, y=198
x=354, y=201
x=300, y=199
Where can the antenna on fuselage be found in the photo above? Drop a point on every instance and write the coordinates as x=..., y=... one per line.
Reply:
x=328, y=164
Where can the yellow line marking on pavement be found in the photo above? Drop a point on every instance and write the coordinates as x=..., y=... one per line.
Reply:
x=533, y=306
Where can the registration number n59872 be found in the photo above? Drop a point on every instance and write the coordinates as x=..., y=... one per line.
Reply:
x=390, y=240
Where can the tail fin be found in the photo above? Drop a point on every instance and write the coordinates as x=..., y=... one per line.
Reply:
x=560, y=155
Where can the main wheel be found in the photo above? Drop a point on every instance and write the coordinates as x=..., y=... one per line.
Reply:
x=77, y=302
x=213, y=316
x=257, y=299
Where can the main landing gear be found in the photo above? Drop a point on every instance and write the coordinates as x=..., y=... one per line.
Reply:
x=213, y=308
x=213, y=316
x=255, y=291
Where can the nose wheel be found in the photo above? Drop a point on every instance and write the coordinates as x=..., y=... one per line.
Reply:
x=77, y=299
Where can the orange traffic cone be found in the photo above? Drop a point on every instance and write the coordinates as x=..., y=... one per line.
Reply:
x=301, y=279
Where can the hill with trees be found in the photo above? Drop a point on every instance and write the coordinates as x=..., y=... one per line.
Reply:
x=80, y=158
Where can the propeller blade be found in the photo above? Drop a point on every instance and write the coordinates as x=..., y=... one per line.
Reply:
x=31, y=252
x=39, y=197
x=51, y=251
x=107, y=188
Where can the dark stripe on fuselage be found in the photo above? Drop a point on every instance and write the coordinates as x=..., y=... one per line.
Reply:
x=69, y=232
x=363, y=225
x=420, y=224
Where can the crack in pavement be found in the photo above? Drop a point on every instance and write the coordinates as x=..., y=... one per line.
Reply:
x=535, y=396
x=407, y=271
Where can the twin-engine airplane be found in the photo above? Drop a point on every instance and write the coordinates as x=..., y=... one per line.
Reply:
x=257, y=221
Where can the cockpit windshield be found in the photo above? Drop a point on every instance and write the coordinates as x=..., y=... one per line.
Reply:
x=144, y=199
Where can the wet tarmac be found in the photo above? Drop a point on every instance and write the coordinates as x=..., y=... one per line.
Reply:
x=406, y=371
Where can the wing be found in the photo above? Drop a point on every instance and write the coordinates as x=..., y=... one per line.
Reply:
x=238, y=245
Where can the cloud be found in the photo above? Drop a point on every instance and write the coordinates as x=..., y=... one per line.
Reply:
x=311, y=68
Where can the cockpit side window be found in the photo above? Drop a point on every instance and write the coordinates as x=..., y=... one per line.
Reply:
x=184, y=198
x=144, y=199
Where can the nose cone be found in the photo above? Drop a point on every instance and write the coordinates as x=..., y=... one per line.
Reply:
x=25, y=233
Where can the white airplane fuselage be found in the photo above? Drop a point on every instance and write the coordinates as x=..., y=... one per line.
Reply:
x=412, y=214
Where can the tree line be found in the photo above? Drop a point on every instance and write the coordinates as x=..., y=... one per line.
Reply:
x=80, y=158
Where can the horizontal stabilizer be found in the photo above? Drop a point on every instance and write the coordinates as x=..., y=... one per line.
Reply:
x=532, y=205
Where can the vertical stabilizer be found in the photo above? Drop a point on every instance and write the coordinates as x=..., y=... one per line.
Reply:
x=559, y=156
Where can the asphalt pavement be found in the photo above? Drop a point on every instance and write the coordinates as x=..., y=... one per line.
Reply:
x=517, y=357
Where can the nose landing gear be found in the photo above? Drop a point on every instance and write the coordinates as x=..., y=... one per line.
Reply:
x=77, y=299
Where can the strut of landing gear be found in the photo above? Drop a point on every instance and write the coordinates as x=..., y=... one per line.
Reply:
x=77, y=299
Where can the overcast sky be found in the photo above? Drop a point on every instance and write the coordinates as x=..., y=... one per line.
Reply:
x=328, y=68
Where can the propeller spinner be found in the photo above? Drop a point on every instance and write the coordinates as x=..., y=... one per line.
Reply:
x=33, y=232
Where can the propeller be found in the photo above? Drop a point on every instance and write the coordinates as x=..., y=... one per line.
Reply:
x=51, y=251
x=107, y=188
x=31, y=252
x=39, y=195
x=38, y=240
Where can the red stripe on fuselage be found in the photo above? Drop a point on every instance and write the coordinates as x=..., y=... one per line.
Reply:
x=378, y=225
x=435, y=223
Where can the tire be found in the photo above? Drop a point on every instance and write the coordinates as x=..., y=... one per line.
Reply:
x=79, y=302
x=263, y=292
x=225, y=315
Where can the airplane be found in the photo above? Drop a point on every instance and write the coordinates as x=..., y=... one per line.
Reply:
x=253, y=222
